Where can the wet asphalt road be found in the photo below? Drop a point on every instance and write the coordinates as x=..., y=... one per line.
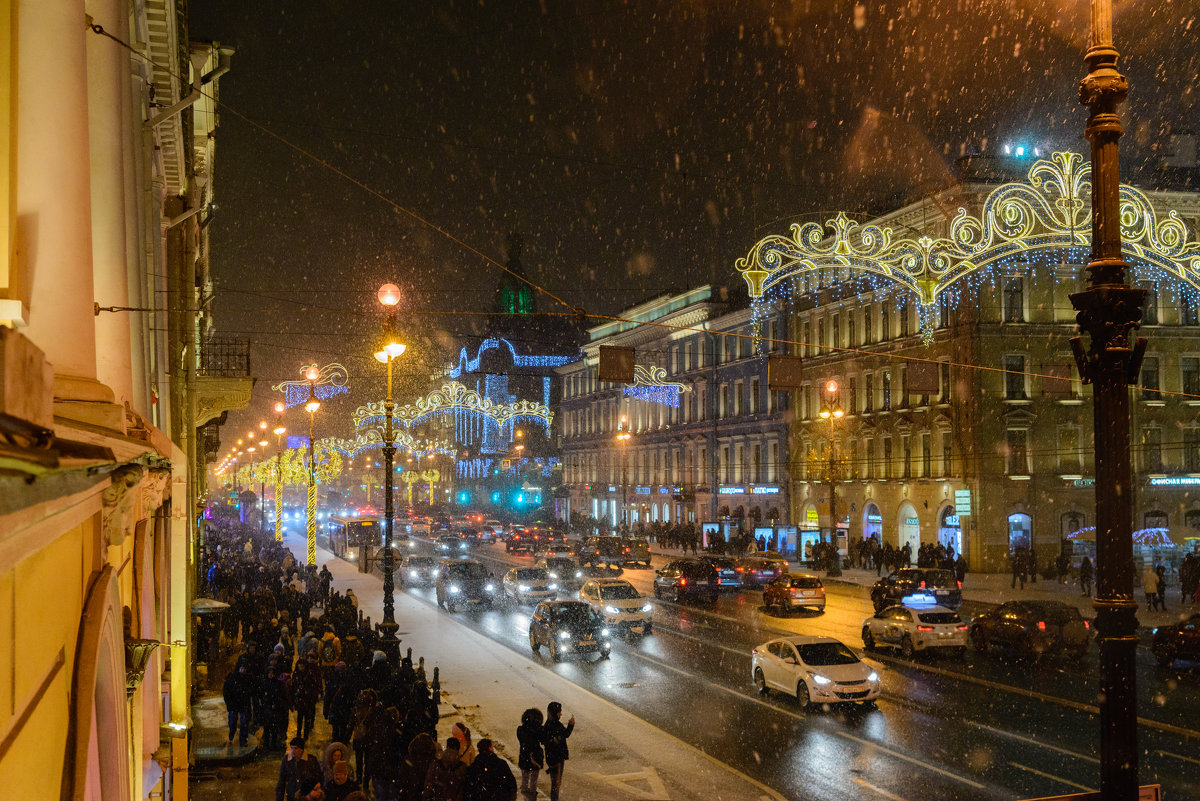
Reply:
x=977, y=727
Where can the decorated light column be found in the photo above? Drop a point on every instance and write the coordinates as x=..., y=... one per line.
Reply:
x=391, y=348
x=279, y=432
x=831, y=411
x=623, y=439
x=1108, y=310
x=311, y=406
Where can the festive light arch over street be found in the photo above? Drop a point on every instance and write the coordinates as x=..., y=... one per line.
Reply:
x=468, y=365
x=372, y=439
x=1044, y=220
x=453, y=398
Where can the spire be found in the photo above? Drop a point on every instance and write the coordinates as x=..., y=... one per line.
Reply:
x=514, y=295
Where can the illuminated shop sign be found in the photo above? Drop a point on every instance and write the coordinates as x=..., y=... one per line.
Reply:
x=951, y=521
x=764, y=490
x=911, y=521
x=612, y=489
x=731, y=490
x=1175, y=481
x=643, y=490
x=874, y=518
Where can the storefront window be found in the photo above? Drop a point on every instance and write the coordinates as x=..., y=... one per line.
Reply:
x=950, y=530
x=1020, y=531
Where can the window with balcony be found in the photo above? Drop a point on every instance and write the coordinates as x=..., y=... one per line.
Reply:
x=926, y=455
x=869, y=394
x=947, y=454
x=739, y=395
x=1017, y=440
x=886, y=467
x=868, y=329
x=821, y=344
x=903, y=312
x=1150, y=305
x=906, y=453
x=945, y=382
x=836, y=331
x=1190, y=367
x=754, y=392
x=887, y=390
x=852, y=395
x=851, y=334
x=885, y=322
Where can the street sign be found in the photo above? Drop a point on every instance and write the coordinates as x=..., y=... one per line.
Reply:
x=1147, y=792
x=962, y=502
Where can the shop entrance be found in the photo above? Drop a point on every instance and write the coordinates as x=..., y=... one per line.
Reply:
x=950, y=530
x=909, y=531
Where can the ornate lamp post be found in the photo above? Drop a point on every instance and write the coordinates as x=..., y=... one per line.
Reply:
x=250, y=449
x=311, y=406
x=262, y=478
x=832, y=412
x=623, y=437
x=391, y=349
x=1108, y=310
x=279, y=432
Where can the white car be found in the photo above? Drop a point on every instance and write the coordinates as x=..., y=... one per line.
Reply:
x=619, y=603
x=817, y=670
x=916, y=629
x=492, y=529
x=529, y=584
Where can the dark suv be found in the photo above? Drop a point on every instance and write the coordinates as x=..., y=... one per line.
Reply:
x=463, y=583
x=1177, y=641
x=1032, y=628
x=687, y=578
x=915, y=586
x=602, y=551
x=569, y=627
x=637, y=550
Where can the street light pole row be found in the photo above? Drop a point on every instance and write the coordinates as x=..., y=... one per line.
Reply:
x=390, y=349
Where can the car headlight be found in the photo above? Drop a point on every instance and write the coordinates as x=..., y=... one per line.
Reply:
x=523, y=587
x=454, y=588
x=819, y=679
x=553, y=575
x=462, y=546
x=873, y=677
x=647, y=608
x=564, y=635
x=489, y=588
x=612, y=610
x=413, y=574
x=604, y=632
x=578, y=574
x=552, y=586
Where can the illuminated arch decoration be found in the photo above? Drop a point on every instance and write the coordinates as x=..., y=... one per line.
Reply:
x=332, y=379
x=468, y=365
x=650, y=384
x=372, y=439
x=454, y=398
x=1045, y=220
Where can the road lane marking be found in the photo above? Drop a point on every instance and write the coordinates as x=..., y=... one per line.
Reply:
x=620, y=781
x=912, y=760
x=1052, y=777
x=676, y=633
x=1178, y=756
x=1031, y=741
x=880, y=790
x=714, y=685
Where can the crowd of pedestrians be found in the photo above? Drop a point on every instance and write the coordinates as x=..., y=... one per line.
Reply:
x=303, y=648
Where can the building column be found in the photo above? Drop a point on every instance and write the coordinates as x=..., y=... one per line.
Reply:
x=107, y=71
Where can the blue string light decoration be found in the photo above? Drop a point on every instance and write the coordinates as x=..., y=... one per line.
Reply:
x=468, y=365
x=1046, y=220
x=332, y=379
x=650, y=384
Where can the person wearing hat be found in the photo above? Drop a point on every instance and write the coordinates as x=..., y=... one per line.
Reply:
x=554, y=740
x=489, y=778
x=299, y=773
x=444, y=781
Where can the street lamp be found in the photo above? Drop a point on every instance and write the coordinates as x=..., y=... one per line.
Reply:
x=311, y=406
x=390, y=349
x=623, y=437
x=250, y=476
x=1109, y=309
x=262, y=481
x=832, y=412
x=279, y=432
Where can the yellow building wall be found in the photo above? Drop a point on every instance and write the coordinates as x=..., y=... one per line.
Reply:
x=41, y=601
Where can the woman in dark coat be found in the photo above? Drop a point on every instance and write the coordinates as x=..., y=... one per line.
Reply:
x=532, y=758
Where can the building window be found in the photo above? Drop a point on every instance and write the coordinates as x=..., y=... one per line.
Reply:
x=850, y=332
x=1190, y=366
x=1014, y=299
x=773, y=465
x=1152, y=448
x=739, y=395
x=852, y=395
x=853, y=466
x=926, y=455
x=947, y=454
x=808, y=343
x=886, y=472
x=943, y=312
x=1014, y=377
x=836, y=332
x=870, y=466
x=1018, y=451
x=902, y=402
x=1068, y=450
x=1189, y=312
x=1149, y=379
x=906, y=452
x=945, y=383
x=1191, y=450
x=1150, y=305
x=754, y=390
x=868, y=329
x=887, y=390
x=903, y=310
x=869, y=394
x=885, y=322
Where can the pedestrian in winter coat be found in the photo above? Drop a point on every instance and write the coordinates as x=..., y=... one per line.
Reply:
x=422, y=751
x=554, y=740
x=340, y=784
x=274, y=707
x=297, y=772
x=238, y=692
x=444, y=781
x=489, y=778
x=466, y=750
x=334, y=753
x=1161, y=572
x=305, y=691
x=1085, y=576
x=531, y=758
x=1150, y=586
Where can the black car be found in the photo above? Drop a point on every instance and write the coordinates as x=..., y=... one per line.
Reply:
x=451, y=545
x=416, y=570
x=728, y=575
x=687, y=578
x=562, y=569
x=917, y=585
x=1031, y=628
x=568, y=627
x=1178, y=641
x=605, y=550
x=463, y=583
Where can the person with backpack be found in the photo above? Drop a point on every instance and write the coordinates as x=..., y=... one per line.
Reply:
x=532, y=757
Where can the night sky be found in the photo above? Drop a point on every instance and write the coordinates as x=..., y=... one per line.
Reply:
x=639, y=147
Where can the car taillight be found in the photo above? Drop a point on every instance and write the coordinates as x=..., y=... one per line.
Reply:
x=1085, y=625
x=682, y=581
x=963, y=627
x=922, y=584
x=822, y=589
x=924, y=628
x=740, y=569
x=960, y=585
x=1041, y=625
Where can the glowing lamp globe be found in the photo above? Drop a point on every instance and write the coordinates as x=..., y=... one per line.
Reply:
x=388, y=294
